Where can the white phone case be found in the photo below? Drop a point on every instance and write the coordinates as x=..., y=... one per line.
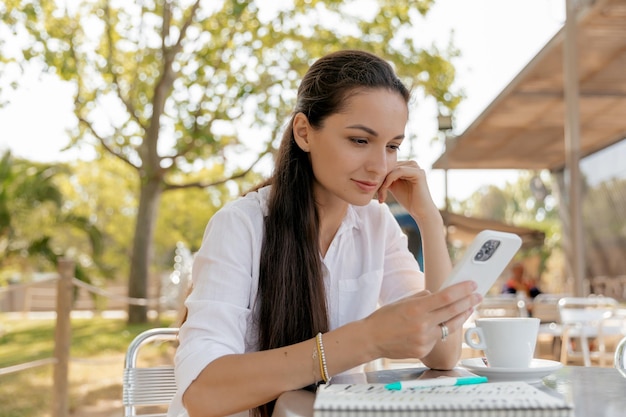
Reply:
x=476, y=265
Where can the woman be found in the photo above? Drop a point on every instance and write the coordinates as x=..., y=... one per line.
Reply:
x=519, y=283
x=288, y=280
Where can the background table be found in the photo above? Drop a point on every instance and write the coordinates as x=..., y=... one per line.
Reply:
x=594, y=391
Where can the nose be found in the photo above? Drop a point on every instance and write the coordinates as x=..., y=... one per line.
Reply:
x=378, y=161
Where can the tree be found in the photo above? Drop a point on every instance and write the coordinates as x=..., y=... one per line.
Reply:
x=605, y=227
x=32, y=211
x=103, y=191
x=170, y=87
x=517, y=204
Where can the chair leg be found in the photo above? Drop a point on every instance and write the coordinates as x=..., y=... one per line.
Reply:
x=584, y=346
x=565, y=344
x=556, y=348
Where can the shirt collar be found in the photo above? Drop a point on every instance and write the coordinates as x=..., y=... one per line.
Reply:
x=352, y=220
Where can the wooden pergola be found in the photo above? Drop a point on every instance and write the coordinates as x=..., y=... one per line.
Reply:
x=567, y=103
x=523, y=128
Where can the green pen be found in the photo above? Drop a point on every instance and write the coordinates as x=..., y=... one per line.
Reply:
x=436, y=382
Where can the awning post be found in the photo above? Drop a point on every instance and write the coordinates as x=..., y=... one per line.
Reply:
x=572, y=148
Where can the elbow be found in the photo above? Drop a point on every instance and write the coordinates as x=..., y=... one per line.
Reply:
x=441, y=364
x=443, y=359
x=198, y=402
x=449, y=364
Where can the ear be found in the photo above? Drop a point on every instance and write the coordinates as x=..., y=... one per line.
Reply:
x=301, y=131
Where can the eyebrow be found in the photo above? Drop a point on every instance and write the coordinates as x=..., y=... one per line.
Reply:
x=371, y=131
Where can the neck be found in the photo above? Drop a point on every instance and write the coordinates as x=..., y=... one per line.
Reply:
x=330, y=218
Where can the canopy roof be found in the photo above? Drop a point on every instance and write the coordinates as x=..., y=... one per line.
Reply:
x=462, y=229
x=523, y=128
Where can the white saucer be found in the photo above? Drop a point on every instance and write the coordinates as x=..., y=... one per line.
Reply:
x=538, y=369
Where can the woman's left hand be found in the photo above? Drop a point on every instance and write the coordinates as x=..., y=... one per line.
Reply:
x=407, y=182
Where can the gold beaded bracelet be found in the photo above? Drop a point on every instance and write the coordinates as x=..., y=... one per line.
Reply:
x=321, y=357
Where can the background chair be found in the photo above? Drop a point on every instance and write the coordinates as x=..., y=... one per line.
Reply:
x=502, y=305
x=545, y=307
x=148, y=388
x=587, y=324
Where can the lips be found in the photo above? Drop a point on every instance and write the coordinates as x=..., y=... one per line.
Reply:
x=367, y=186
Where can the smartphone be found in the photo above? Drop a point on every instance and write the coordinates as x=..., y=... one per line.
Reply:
x=485, y=259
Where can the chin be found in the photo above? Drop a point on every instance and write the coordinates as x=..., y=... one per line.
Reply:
x=362, y=200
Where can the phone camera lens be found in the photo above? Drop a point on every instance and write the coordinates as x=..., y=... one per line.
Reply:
x=487, y=250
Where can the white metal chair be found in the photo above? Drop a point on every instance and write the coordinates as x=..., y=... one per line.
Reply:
x=584, y=319
x=502, y=305
x=152, y=386
x=545, y=307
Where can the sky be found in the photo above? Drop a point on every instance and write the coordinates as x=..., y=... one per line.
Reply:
x=496, y=38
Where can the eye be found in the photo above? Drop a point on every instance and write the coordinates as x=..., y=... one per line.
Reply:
x=359, y=141
x=393, y=147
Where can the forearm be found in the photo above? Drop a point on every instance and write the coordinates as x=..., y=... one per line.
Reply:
x=437, y=264
x=437, y=267
x=236, y=383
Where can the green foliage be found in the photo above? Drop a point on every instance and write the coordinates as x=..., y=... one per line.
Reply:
x=201, y=69
x=173, y=89
x=603, y=210
x=105, y=192
x=517, y=205
x=604, y=223
x=33, y=214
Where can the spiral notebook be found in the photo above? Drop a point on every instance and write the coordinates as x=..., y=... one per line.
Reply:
x=500, y=399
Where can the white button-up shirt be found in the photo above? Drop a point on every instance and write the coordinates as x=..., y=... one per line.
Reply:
x=367, y=264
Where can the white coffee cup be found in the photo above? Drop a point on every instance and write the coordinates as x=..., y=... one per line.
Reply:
x=620, y=357
x=508, y=342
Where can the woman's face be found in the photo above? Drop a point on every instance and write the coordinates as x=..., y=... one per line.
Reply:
x=354, y=150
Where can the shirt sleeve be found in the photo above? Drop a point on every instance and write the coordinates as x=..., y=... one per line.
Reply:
x=220, y=303
x=402, y=274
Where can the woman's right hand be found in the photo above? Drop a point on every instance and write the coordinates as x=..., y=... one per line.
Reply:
x=410, y=327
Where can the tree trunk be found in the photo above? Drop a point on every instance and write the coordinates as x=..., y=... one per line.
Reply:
x=149, y=197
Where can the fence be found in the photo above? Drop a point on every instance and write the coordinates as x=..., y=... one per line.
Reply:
x=63, y=304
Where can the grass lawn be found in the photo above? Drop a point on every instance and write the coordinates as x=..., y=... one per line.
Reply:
x=97, y=359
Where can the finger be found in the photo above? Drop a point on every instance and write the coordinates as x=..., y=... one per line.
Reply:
x=400, y=170
x=434, y=308
x=454, y=293
x=453, y=324
x=382, y=194
x=409, y=163
x=458, y=308
x=457, y=322
x=452, y=301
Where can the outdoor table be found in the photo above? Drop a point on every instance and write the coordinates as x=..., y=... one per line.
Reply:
x=594, y=391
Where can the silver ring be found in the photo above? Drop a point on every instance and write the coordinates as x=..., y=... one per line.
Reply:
x=444, y=331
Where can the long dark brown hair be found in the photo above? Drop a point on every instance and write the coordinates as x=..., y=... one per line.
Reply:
x=291, y=288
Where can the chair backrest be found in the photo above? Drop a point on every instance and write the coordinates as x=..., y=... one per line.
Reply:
x=152, y=385
x=545, y=307
x=502, y=305
x=586, y=310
